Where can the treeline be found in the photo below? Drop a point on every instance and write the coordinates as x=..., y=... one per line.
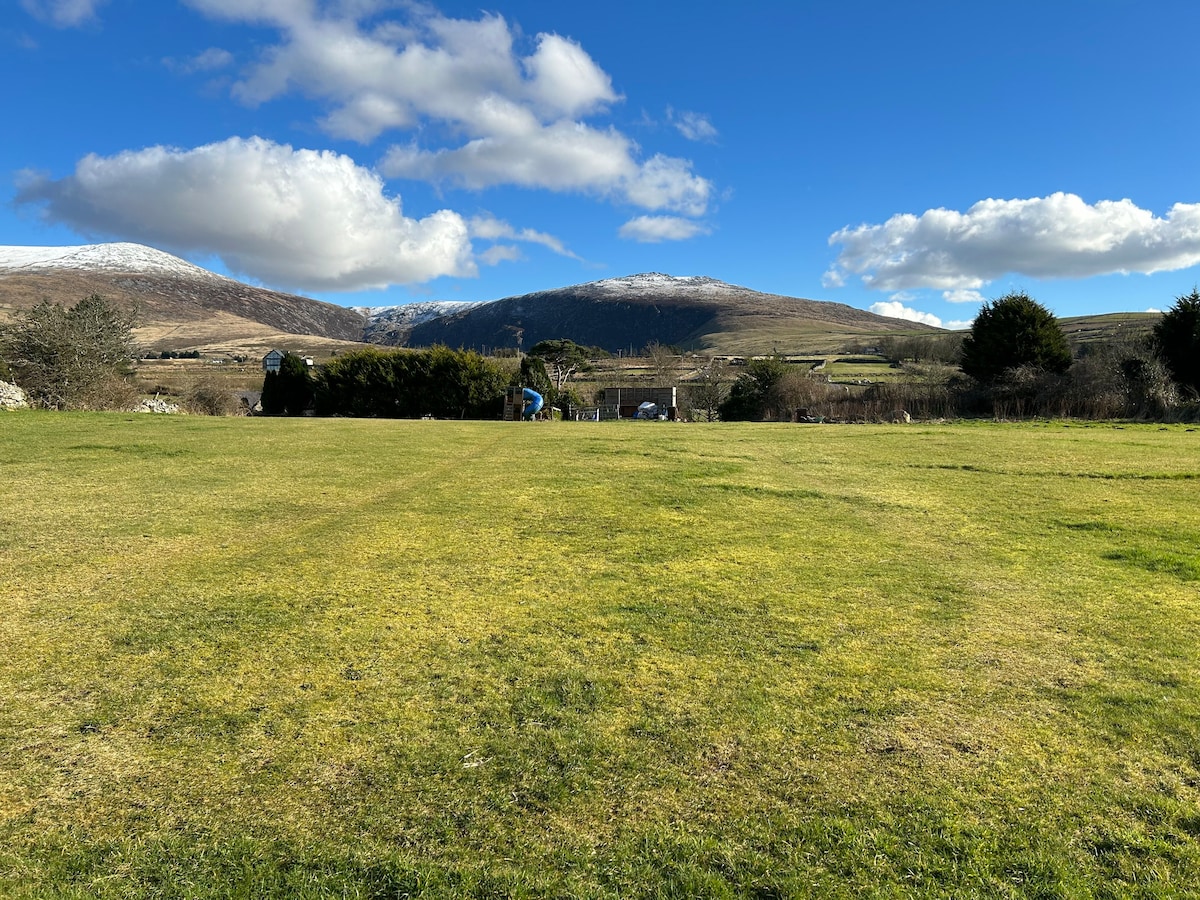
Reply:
x=1014, y=363
x=438, y=382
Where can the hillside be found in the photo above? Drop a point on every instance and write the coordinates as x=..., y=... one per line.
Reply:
x=181, y=306
x=630, y=312
x=178, y=305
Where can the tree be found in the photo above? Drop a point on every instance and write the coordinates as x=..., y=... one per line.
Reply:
x=664, y=361
x=532, y=374
x=1012, y=332
x=708, y=391
x=77, y=358
x=753, y=394
x=290, y=390
x=1177, y=340
x=563, y=358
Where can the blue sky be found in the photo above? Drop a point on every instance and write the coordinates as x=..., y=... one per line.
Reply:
x=912, y=158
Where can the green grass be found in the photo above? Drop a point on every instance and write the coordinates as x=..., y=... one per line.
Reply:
x=310, y=658
x=859, y=369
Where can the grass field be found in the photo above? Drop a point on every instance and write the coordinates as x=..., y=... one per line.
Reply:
x=310, y=658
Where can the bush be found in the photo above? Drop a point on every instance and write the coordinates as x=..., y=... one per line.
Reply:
x=1014, y=332
x=1177, y=341
x=77, y=358
x=753, y=395
x=410, y=384
x=210, y=396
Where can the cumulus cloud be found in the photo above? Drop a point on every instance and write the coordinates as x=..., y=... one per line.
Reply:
x=895, y=309
x=656, y=229
x=63, y=13
x=962, y=295
x=511, y=118
x=692, y=125
x=301, y=219
x=1059, y=236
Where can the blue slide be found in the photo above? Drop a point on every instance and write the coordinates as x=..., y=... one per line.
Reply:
x=533, y=402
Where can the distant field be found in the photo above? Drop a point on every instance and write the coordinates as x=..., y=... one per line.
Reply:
x=311, y=658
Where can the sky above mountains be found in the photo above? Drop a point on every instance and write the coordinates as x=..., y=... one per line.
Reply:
x=914, y=159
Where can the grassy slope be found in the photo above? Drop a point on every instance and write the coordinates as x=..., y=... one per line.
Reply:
x=363, y=658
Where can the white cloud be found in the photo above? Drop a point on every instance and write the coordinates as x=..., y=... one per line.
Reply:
x=894, y=309
x=63, y=13
x=656, y=229
x=564, y=80
x=1153, y=310
x=1059, y=236
x=565, y=156
x=499, y=253
x=958, y=324
x=962, y=295
x=301, y=219
x=506, y=118
x=692, y=125
x=489, y=228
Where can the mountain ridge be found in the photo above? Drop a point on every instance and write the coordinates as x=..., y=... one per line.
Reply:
x=181, y=305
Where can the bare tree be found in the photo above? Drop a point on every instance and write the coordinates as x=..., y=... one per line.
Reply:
x=709, y=389
x=664, y=362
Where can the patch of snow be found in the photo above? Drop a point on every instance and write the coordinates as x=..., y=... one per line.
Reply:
x=419, y=312
x=115, y=257
x=658, y=283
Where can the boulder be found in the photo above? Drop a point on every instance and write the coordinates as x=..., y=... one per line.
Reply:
x=157, y=406
x=12, y=397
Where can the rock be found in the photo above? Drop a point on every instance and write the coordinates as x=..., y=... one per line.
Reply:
x=12, y=397
x=900, y=417
x=157, y=406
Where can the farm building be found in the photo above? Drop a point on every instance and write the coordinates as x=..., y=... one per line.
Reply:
x=274, y=359
x=623, y=403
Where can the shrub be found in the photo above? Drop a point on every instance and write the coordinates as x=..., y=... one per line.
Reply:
x=209, y=396
x=77, y=358
x=1014, y=332
x=410, y=384
x=1177, y=341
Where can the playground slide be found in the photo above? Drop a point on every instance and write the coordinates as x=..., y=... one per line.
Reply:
x=533, y=402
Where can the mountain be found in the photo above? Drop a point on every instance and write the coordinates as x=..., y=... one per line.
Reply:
x=394, y=324
x=178, y=305
x=631, y=312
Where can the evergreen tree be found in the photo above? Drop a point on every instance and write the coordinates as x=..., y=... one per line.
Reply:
x=1014, y=332
x=1177, y=340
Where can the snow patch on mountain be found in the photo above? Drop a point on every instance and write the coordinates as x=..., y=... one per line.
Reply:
x=115, y=257
x=410, y=314
x=656, y=283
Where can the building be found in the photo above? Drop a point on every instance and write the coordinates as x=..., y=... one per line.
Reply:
x=274, y=359
x=623, y=403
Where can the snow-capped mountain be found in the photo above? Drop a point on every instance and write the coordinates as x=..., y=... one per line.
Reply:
x=393, y=325
x=182, y=305
x=632, y=311
x=116, y=257
x=177, y=304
